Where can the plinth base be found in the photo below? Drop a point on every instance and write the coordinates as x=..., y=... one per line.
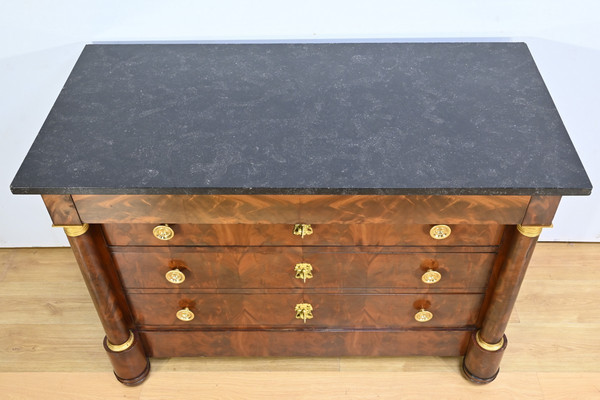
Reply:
x=137, y=380
x=131, y=366
x=476, y=379
x=482, y=364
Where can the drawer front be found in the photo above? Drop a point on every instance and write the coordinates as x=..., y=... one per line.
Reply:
x=305, y=343
x=329, y=310
x=286, y=209
x=322, y=235
x=323, y=267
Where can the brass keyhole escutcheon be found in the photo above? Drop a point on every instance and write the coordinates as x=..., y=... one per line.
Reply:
x=440, y=232
x=185, y=315
x=175, y=276
x=303, y=230
x=303, y=311
x=431, y=276
x=303, y=271
x=163, y=232
x=423, y=315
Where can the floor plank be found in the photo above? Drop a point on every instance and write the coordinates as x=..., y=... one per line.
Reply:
x=66, y=386
x=569, y=386
x=362, y=385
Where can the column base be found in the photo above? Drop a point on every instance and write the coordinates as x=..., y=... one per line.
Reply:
x=129, y=361
x=476, y=379
x=482, y=364
x=137, y=380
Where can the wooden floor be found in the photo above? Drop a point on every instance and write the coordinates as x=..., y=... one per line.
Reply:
x=50, y=345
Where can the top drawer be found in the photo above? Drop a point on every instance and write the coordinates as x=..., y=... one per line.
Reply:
x=283, y=235
x=289, y=209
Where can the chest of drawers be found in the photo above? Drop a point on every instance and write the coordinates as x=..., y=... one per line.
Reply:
x=303, y=200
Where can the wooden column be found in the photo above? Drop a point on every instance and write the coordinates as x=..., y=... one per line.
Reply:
x=486, y=346
x=122, y=343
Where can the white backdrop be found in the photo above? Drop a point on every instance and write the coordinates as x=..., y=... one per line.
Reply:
x=40, y=42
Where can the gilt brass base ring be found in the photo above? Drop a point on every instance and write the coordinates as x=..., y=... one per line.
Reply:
x=117, y=348
x=488, y=346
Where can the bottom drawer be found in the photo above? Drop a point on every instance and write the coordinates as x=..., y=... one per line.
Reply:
x=305, y=343
x=267, y=311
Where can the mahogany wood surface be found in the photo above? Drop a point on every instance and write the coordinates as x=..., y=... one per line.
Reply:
x=62, y=210
x=507, y=287
x=273, y=267
x=541, y=210
x=480, y=365
x=305, y=343
x=503, y=250
x=368, y=254
x=130, y=366
x=101, y=279
x=282, y=235
x=412, y=209
x=238, y=310
x=290, y=209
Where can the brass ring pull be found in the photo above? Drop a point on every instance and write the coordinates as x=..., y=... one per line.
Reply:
x=303, y=271
x=163, y=232
x=175, y=276
x=303, y=230
x=303, y=311
x=440, y=232
x=431, y=277
x=185, y=315
x=423, y=315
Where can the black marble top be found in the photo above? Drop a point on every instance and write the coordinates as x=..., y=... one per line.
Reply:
x=395, y=118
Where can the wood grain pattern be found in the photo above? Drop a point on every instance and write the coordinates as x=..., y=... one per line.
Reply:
x=320, y=209
x=541, y=210
x=368, y=383
x=266, y=311
x=101, y=279
x=506, y=288
x=290, y=343
x=130, y=366
x=205, y=209
x=273, y=267
x=518, y=252
x=247, y=222
x=281, y=235
x=62, y=210
x=72, y=385
x=481, y=365
x=290, y=209
x=503, y=250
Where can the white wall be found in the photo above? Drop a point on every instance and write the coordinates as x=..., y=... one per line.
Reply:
x=40, y=41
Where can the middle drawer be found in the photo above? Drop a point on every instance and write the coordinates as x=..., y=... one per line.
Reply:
x=298, y=267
